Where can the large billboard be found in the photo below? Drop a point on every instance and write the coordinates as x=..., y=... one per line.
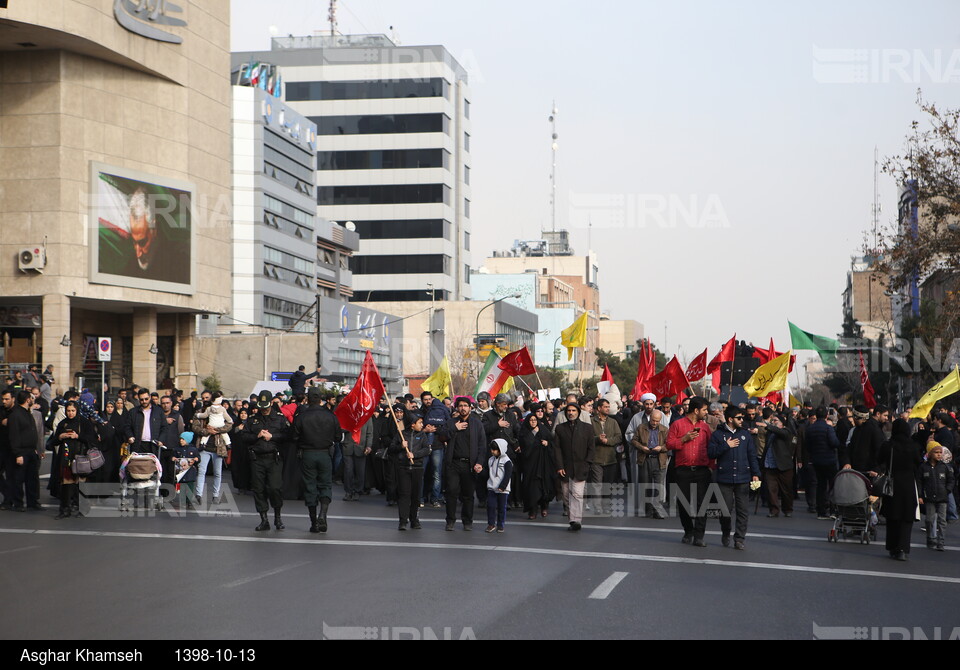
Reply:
x=144, y=230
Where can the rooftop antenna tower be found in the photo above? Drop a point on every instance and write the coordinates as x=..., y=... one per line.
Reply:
x=553, y=168
x=332, y=17
x=876, y=200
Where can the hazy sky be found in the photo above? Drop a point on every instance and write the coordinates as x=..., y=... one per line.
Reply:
x=722, y=151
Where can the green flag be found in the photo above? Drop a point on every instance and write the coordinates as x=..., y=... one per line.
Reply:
x=825, y=346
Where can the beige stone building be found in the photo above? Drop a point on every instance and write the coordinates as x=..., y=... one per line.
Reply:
x=619, y=337
x=868, y=300
x=115, y=180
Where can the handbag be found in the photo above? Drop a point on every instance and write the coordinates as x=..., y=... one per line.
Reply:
x=84, y=464
x=883, y=484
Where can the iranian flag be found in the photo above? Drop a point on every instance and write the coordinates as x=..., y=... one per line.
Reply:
x=493, y=378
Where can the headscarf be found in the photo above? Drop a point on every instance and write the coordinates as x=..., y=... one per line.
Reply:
x=901, y=429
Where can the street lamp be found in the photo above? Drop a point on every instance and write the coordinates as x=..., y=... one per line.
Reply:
x=476, y=331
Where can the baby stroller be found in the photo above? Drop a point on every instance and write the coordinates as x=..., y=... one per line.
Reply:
x=850, y=494
x=140, y=472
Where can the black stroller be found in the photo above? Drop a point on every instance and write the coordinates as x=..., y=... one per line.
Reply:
x=850, y=495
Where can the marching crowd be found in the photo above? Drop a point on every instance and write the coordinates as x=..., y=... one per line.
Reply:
x=501, y=453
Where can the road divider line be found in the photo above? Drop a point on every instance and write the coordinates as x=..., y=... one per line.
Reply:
x=270, y=573
x=607, y=586
x=683, y=560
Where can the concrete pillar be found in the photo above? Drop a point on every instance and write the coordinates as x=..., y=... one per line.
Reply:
x=56, y=324
x=144, y=336
x=184, y=357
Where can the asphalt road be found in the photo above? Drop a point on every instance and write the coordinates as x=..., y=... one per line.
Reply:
x=207, y=575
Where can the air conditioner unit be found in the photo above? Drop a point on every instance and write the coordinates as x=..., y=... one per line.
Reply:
x=32, y=258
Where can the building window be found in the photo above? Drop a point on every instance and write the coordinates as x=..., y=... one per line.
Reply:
x=382, y=160
x=466, y=109
x=418, y=295
x=466, y=274
x=466, y=208
x=466, y=241
x=383, y=124
x=366, y=90
x=383, y=194
x=403, y=229
x=410, y=264
x=466, y=175
x=466, y=142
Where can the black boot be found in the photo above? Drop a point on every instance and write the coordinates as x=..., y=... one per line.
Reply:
x=314, y=524
x=277, y=521
x=322, y=521
x=264, y=524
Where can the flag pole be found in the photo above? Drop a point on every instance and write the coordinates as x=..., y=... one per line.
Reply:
x=732, y=363
x=525, y=384
x=395, y=420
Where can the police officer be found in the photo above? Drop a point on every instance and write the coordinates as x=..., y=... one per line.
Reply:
x=316, y=430
x=262, y=436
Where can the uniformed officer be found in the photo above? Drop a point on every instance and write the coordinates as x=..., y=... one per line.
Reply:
x=262, y=436
x=316, y=430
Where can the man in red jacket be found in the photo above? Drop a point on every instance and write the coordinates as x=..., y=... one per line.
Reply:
x=688, y=438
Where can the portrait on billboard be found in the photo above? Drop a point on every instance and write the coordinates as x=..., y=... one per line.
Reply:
x=143, y=230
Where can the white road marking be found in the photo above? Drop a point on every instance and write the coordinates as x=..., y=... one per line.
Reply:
x=607, y=586
x=10, y=551
x=224, y=513
x=270, y=573
x=516, y=550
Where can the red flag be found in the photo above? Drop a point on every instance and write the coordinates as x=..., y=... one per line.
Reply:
x=518, y=363
x=698, y=367
x=607, y=376
x=645, y=370
x=670, y=381
x=360, y=404
x=726, y=353
x=869, y=397
x=767, y=355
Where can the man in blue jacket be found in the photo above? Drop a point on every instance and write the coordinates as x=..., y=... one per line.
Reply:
x=821, y=443
x=733, y=448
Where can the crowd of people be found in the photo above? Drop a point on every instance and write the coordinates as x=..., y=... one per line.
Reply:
x=501, y=453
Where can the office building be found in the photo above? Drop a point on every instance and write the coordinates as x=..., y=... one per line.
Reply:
x=393, y=156
x=115, y=185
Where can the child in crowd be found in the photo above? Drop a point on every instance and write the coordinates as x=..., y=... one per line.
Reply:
x=185, y=458
x=498, y=485
x=936, y=482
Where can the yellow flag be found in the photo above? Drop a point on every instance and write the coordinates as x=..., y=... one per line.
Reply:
x=948, y=386
x=794, y=402
x=575, y=335
x=439, y=382
x=509, y=384
x=769, y=377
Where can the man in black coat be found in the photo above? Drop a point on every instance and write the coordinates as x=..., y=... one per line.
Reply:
x=147, y=424
x=821, y=444
x=263, y=436
x=8, y=398
x=298, y=380
x=862, y=452
x=464, y=455
x=23, y=462
x=315, y=430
